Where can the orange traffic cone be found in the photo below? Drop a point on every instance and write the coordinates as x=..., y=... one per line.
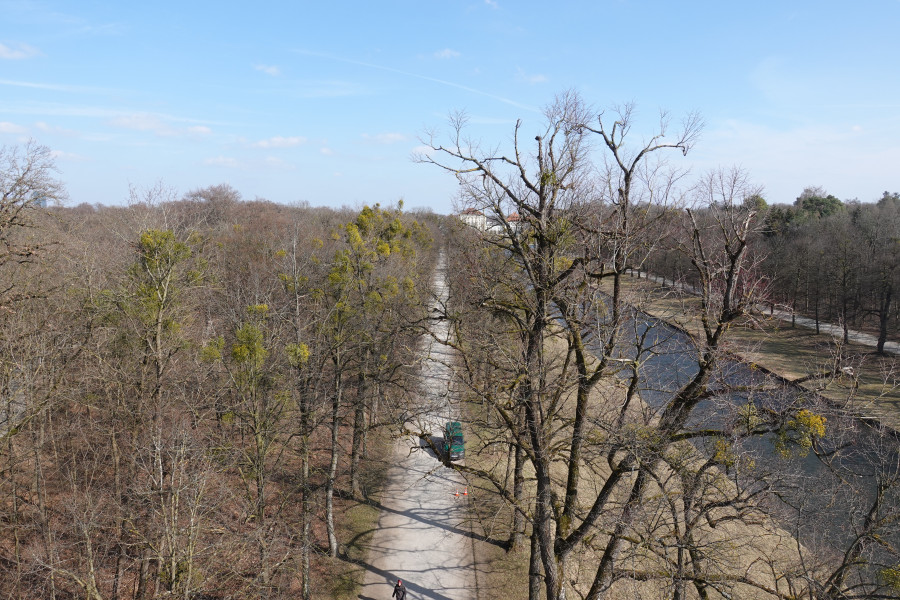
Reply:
x=466, y=491
x=457, y=493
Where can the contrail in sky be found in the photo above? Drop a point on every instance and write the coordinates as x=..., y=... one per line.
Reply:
x=417, y=76
x=55, y=87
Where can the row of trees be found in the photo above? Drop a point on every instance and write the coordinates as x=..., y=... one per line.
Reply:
x=828, y=260
x=635, y=480
x=189, y=385
x=839, y=264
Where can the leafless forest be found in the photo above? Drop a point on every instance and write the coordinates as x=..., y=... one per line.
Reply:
x=639, y=460
x=193, y=384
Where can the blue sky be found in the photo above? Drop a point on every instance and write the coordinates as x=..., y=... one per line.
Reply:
x=325, y=102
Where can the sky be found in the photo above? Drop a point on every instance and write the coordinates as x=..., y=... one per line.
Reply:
x=325, y=102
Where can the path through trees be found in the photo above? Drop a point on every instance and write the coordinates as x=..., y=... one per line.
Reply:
x=420, y=536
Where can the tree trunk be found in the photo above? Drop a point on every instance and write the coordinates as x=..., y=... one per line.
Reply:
x=845, y=318
x=817, y=313
x=534, y=569
x=604, y=577
x=544, y=528
x=305, y=500
x=143, y=576
x=40, y=489
x=883, y=319
x=121, y=524
x=359, y=424
x=518, y=524
x=332, y=468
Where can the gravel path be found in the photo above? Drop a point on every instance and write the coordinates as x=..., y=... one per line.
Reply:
x=420, y=538
x=836, y=331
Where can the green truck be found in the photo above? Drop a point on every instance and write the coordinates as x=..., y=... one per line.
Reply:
x=454, y=446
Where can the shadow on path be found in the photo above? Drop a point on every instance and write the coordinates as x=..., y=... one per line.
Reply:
x=390, y=579
x=416, y=516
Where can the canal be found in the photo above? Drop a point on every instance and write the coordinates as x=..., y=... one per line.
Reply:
x=823, y=496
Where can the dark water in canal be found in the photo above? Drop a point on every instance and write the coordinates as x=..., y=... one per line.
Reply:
x=822, y=498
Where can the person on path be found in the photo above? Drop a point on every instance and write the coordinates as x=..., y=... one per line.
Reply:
x=399, y=591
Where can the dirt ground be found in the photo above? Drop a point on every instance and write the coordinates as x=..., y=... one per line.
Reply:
x=418, y=537
x=421, y=536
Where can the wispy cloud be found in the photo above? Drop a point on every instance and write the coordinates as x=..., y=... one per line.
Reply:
x=280, y=142
x=385, y=138
x=326, y=151
x=57, y=87
x=492, y=3
x=199, y=130
x=422, y=77
x=277, y=163
x=328, y=89
x=159, y=124
x=142, y=122
x=446, y=53
x=17, y=51
x=103, y=29
x=47, y=128
x=268, y=70
x=68, y=156
x=223, y=161
x=530, y=78
x=7, y=127
x=40, y=13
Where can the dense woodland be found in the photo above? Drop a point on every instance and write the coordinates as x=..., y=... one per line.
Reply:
x=190, y=386
x=193, y=384
x=828, y=260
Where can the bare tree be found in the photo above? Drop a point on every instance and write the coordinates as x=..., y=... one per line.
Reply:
x=569, y=225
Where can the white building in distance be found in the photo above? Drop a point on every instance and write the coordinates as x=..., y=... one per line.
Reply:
x=474, y=218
